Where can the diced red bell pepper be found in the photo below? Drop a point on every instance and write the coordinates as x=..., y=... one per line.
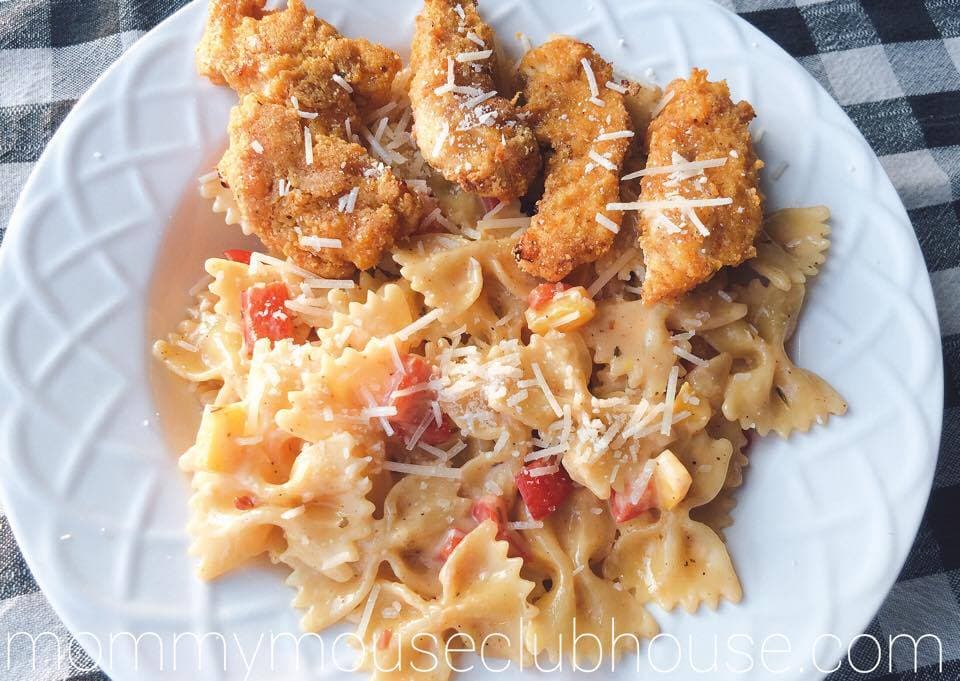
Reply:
x=412, y=409
x=264, y=312
x=544, y=293
x=383, y=641
x=489, y=203
x=490, y=507
x=543, y=494
x=622, y=508
x=451, y=540
x=238, y=255
x=244, y=503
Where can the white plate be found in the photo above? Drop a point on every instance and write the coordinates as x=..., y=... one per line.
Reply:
x=110, y=233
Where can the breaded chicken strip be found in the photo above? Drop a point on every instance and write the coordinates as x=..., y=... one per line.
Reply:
x=464, y=128
x=269, y=58
x=699, y=123
x=318, y=202
x=583, y=172
x=292, y=53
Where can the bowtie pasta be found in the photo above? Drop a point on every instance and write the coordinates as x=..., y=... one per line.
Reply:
x=411, y=434
x=443, y=449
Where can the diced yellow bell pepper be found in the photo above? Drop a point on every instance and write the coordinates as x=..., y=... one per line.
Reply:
x=216, y=448
x=672, y=480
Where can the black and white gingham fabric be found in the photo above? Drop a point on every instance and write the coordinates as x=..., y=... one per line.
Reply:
x=894, y=66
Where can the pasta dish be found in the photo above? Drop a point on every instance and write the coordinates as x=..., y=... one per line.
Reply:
x=494, y=372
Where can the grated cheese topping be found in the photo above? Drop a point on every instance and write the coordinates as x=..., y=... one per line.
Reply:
x=318, y=243
x=689, y=356
x=479, y=55
x=611, y=271
x=543, y=470
x=660, y=204
x=441, y=139
x=525, y=525
x=681, y=167
x=591, y=78
x=607, y=223
x=619, y=134
x=420, y=324
x=667, y=421
x=308, y=145
x=317, y=282
x=662, y=104
x=479, y=99
x=421, y=470
x=368, y=610
x=503, y=223
x=602, y=161
x=341, y=81
x=691, y=215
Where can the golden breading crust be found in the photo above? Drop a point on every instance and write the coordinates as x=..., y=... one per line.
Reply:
x=485, y=148
x=699, y=122
x=565, y=233
x=292, y=53
x=386, y=208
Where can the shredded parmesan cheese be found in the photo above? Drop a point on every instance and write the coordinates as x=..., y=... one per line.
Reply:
x=422, y=323
x=395, y=354
x=602, y=161
x=616, y=87
x=671, y=203
x=479, y=99
x=684, y=167
x=591, y=78
x=316, y=282
x=339, y=80
x=690, y=357
x=667, y=421
x=474, y=56
x=441, y=139
x=317, y=243
x=256, y=146
x=547, y=392
x=607, y=223
x=662, y=104
x=619, y=134
x=691, y=214
x=525, y=525
x=293, y=512
x=503, y=223
x=611, y=271
x=308, y=145
x=543, y=470
x=423, y=471
x=368, y=610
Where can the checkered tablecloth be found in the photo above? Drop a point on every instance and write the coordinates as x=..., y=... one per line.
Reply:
x=894, y=66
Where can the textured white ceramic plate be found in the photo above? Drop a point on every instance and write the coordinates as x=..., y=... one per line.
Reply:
x=110, y=233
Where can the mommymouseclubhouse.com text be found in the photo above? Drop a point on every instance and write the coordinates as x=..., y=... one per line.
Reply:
x=249, y=656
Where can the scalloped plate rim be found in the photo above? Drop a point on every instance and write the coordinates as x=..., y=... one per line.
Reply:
x=18, y=225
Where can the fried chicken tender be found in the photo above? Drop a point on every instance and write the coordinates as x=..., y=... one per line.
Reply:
x=385, y=208
x=699, y=122
x=270, y=58
x=480, y=145
x=566, y=233
x=292, y=53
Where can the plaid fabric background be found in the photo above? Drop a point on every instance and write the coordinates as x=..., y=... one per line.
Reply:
x=894, y=66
